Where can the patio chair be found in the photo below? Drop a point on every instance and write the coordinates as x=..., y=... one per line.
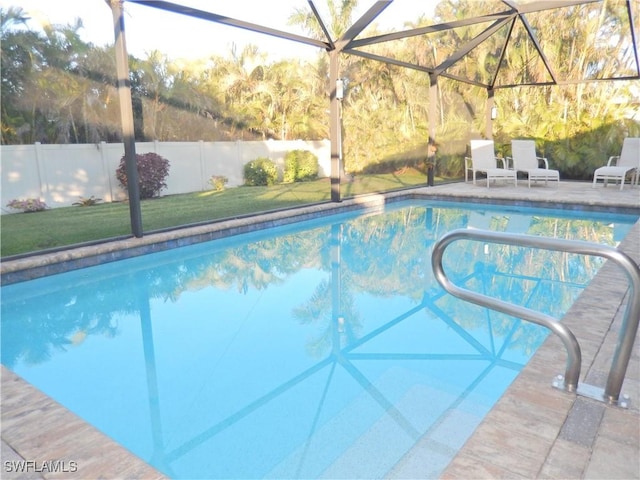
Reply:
x=483, y=159
x=619, y=167
x=526, y=161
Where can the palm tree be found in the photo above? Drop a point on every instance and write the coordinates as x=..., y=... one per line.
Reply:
x=17, y=54
x=340, y=19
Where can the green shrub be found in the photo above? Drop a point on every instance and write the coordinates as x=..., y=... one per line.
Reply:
x=152, y=174
x=261, y=171
x=87, y=202
x=300, y=166
x=218, y=182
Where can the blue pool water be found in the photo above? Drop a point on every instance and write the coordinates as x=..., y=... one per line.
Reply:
x=320, y=350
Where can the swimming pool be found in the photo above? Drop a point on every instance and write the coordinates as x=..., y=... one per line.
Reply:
x=320, y=350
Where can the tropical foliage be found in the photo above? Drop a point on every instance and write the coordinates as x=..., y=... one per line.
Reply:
x=57, y=88
x=87, y=202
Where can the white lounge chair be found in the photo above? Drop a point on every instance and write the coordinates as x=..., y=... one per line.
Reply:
x=619, y=167
x=526, y=161
x=483, y=159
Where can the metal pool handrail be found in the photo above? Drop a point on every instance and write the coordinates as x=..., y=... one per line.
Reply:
x=630, y=322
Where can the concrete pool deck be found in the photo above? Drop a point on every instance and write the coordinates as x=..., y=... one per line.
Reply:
x=534, y=431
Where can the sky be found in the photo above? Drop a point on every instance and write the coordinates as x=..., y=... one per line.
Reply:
x=180, y=36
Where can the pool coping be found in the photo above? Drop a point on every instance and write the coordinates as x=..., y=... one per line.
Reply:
x=36, y=428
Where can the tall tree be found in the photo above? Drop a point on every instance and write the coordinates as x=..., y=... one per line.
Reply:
x=340, y=19
x=18, y=53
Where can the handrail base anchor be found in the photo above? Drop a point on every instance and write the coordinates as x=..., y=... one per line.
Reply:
x=592, y=392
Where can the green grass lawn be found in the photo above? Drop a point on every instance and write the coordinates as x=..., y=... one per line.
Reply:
x=29, y=232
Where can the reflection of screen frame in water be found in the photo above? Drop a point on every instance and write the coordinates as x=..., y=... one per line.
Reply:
x=345, y=355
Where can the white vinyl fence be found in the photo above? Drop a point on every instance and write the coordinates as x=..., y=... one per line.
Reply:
x=61, y=174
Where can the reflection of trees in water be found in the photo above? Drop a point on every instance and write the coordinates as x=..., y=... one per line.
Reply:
x=389, y=255
x=33, y=328
x=319, y=310
x=383, y=255
x=257, y=265
x=541, y=280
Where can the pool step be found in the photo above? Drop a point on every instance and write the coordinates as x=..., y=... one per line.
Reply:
x=367, y=439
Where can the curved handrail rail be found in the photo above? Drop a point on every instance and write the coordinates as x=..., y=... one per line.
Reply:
x=630, y=322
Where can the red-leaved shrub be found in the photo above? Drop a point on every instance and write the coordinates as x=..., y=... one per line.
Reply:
x=152, y=173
